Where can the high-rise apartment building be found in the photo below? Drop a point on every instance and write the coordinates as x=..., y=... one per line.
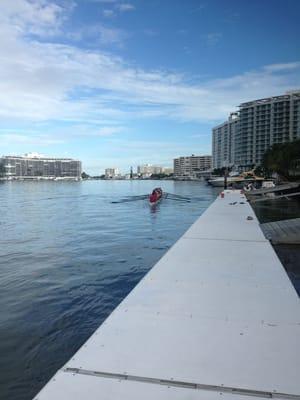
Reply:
x=260, y=124
x=35, y=166
x=188, y=167
x=223, y=137
x=263, y=123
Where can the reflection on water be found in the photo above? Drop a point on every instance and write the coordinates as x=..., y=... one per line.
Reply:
x=68, y=257
x=275, y=210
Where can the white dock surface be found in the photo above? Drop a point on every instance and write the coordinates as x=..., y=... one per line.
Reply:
x=217, y=315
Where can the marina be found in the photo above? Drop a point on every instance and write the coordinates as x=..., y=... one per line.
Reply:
x=150, y=198
x=216, y=315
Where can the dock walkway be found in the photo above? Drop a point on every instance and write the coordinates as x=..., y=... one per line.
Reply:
x=217, y=315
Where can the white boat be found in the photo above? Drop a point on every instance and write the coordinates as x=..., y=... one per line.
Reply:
x=242, y=178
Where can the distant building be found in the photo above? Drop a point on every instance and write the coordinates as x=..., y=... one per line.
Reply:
x=147, y=170
x=167, y=170
x=223, y=141
x=36, y=166
x=191, y=166
x=243, y=140
x=112, y=173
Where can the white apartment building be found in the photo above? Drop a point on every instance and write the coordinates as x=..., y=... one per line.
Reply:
x=167, y=170
x=265, y=122
x=38, y=166
x=188, y=167
x=111, y=173
x=147, y=170
x=223, y=139
x=243, y=140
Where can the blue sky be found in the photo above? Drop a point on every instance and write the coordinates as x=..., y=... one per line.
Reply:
x=121, y=83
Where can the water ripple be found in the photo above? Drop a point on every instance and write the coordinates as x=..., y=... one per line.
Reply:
x=68, y=258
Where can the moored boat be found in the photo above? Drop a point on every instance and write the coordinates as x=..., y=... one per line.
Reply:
x=243, y=179
x=156, y=196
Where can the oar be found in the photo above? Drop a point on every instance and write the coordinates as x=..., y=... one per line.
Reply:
x=181, y=200
x=178, y=196
x=127, y=200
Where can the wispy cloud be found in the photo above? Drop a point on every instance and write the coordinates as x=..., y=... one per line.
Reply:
x=212, y=38
x=34, y=17
x=33, y=140
x=108, y=13
x=123, y=7
x=282, y=67
x=108, y=131
x=98, y=34
x=116, y=8
x=44, y=81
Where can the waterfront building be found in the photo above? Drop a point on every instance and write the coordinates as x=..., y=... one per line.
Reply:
x=37, y=166
x=147, y=170
x=167, y=170
x=260, y=123
x=191, y=166
x=223, y=138
x=112, y=173
x=265, y=122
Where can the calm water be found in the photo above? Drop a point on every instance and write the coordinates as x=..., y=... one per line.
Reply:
x=68, y=257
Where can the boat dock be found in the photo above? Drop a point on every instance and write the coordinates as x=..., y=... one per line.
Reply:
x=277, y=192
x=216, y=316
x=283, y=232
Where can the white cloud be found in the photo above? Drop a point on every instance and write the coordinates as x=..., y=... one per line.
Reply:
x=282, y=67
x=117, y=8
x=98, y=34
x=122, y=7
x=34, y=140
x=108, y=13
x=109, y=130
x=43, y=81
x=37, y=17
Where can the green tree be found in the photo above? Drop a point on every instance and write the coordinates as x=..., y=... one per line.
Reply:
x=281, y=158
x=84, y=175
x=2, y=170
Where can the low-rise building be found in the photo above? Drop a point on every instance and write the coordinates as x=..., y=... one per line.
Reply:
x=146, y=170
x=112, y=173
x=37, y=166
x=167, y=170
x=191, y=166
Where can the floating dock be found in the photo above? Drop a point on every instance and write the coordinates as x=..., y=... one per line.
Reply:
x=283, y=232
x=274, y=193
x=216, y=316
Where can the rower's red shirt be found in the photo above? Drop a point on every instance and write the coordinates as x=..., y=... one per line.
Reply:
x=153, y=197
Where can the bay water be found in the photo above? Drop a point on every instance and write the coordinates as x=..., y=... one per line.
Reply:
x=68, y=256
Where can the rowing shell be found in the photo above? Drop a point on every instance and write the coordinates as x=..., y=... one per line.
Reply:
x=153, y=203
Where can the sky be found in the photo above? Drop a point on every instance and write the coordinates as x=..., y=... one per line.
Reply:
x=122, y=83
